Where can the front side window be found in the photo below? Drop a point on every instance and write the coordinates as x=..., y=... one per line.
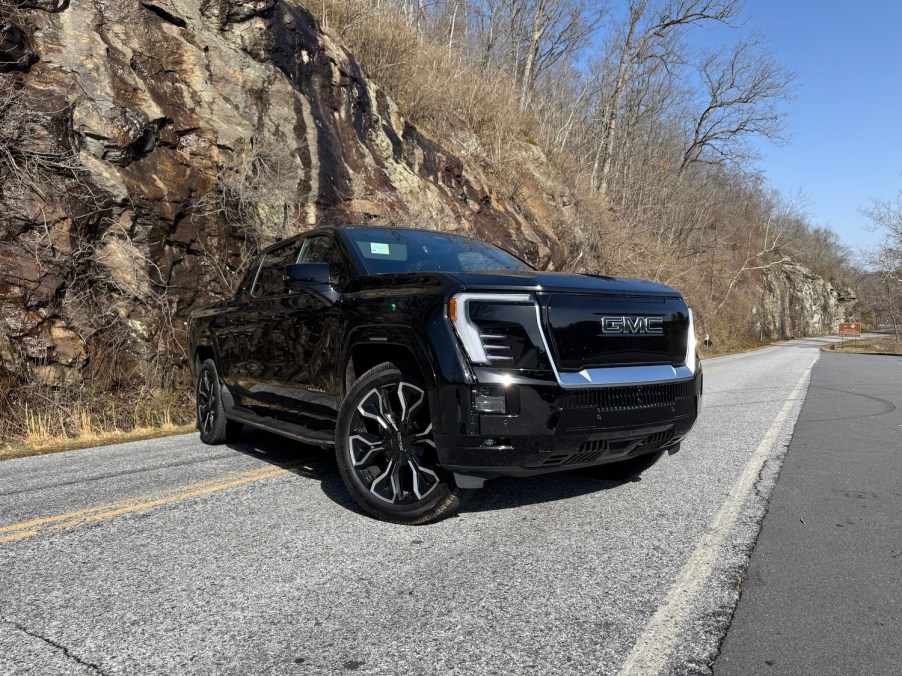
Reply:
x=271, y=278
x=324, y=249
x=247, y=282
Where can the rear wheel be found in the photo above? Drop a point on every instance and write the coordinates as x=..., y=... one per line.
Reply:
x=386, y=452
x=625, y=469
x=212, y=423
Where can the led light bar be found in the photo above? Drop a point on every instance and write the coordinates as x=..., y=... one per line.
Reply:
x=469, y=333
x=692, y=345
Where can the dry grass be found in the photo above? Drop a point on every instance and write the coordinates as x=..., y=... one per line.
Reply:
x=46, y=428
x=886, y=346
x=723, y=350
x=468, y=106
x=40, y=419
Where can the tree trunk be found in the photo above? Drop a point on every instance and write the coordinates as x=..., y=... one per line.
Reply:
x=627, y=56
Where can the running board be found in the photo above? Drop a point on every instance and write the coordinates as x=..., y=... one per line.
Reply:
x=282, y=428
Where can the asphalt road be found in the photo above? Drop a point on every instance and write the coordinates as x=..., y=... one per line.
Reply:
x=824, y=588
x=169, y=557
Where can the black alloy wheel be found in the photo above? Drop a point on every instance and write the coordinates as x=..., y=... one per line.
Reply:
x=212, y=423
x=386, y=451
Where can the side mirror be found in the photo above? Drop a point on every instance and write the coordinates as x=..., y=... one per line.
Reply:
x=305, y=275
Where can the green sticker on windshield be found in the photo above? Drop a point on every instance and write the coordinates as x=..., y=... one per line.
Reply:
x=379, y=248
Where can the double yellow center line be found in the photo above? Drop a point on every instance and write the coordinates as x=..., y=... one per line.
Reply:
x=27, y=529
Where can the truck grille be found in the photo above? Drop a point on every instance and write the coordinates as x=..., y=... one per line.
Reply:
x=602, y=330
x=629, y=398
x=654, y=442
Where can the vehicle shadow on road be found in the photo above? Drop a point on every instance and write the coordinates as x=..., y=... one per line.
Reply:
x=310, y=462
x=508, y=493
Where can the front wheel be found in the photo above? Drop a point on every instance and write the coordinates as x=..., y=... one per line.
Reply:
x=386, y=452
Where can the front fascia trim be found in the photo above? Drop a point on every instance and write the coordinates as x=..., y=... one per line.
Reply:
x=623, y=375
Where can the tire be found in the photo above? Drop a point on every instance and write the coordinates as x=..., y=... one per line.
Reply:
x=212, y=423
x=625, y=470
x=386, y=452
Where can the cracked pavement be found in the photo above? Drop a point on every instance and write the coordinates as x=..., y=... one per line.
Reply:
x=26, y=649
x=167, y=556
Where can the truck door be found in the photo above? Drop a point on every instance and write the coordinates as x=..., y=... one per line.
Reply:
x=250, y=369
x=306, y=342
x=234, y=335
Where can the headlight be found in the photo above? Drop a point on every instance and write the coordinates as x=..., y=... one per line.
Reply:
x=499, y=330
x=692, y=345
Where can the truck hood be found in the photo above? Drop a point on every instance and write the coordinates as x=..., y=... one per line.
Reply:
x=561, y=282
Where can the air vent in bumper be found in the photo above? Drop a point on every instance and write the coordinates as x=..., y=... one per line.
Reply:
x=629, y=398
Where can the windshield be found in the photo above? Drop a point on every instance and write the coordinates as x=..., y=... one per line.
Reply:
x=386, y=250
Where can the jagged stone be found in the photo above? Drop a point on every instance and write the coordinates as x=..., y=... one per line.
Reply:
x=56, y=375
x=16, y=52
x=68, y=347
x=166, y=10
x=244, y=11
x=45, y=5
x=796, y=302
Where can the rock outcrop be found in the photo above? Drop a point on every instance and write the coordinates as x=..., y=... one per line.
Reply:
x=168, y=138
x=795, y=302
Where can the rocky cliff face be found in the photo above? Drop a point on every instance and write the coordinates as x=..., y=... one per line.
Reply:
x=154, y=143
x=795, y=302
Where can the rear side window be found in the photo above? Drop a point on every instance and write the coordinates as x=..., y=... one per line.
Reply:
x=272, y=275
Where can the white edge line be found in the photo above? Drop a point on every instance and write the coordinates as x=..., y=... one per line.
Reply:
x=653, y=649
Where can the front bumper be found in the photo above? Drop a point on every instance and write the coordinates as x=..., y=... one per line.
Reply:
x=549, y=428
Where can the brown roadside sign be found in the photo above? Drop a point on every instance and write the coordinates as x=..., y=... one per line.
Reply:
x=850, y=330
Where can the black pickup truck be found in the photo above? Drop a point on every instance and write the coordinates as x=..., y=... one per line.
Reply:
x=432, y=362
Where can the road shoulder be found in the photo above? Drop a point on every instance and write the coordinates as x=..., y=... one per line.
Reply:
x=823, y=593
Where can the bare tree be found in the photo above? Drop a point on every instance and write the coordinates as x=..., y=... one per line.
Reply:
x=887, y=214
x=557, y=29
x=648, y=34
x=742, y=89
x=528, y=37
x=886, y=260
x=488, y=18
x=756, y=257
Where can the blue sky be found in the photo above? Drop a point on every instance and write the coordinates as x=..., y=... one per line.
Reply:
x=845, y=121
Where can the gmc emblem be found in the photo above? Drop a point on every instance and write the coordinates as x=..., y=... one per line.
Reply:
x=632, y=326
